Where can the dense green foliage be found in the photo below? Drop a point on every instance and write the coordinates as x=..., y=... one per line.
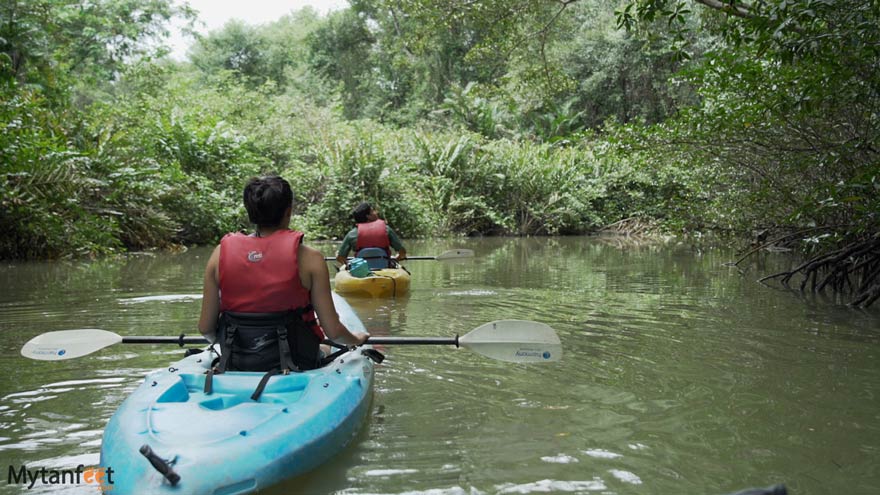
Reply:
x=788, y=116
x=496, y=117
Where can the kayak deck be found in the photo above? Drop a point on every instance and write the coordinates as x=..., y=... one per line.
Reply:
x=231, y=393
x=227, y=443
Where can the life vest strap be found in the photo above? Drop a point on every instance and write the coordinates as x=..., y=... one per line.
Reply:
x=285, y=359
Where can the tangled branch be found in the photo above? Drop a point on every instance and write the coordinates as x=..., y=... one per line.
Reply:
x=852, y=269
x=631, y=227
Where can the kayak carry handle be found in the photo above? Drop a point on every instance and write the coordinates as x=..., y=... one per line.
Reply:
x=163, y=467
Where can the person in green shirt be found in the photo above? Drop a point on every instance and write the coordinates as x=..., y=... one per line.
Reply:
x=370, y=232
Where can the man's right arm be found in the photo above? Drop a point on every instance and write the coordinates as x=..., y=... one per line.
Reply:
x=348, y=242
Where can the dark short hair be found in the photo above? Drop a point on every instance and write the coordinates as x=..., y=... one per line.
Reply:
x=266, y=199
x=361, y=211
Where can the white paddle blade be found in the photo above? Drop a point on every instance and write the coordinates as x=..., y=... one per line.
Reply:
x=68, y=344
x=455, y=254
x=515, y=341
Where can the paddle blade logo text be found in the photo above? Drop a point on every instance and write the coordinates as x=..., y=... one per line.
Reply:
x=94, y=476
x=533, y=353
x=47, y=352
x=544, y=354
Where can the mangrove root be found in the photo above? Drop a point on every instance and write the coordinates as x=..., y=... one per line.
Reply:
x=632, y=226
x=853, y=269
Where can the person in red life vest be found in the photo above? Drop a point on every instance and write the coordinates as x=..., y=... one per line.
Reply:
x=371, y=232
x=269, y=272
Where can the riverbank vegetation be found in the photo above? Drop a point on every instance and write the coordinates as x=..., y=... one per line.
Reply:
x=758, y=120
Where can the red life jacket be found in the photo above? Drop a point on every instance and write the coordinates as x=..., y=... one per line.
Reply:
x=261, y=275
x=373, y=234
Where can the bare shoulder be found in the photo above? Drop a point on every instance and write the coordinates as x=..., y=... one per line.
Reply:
x=310, y=254
x=311, y=258
x=215, y=257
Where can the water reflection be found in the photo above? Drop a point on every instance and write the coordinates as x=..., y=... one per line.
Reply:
x=681, y=374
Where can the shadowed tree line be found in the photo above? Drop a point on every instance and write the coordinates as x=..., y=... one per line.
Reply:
x=756, y=120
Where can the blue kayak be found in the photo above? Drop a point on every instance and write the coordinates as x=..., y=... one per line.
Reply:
x=226, y=443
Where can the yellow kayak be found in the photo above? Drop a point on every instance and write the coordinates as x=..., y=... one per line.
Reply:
x=385, y=282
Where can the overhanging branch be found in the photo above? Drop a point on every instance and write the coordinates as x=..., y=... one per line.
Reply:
x=737, y=9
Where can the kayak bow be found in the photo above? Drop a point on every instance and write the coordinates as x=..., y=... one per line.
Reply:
x=169, y=436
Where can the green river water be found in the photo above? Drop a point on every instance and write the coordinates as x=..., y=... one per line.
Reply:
x=680, y=375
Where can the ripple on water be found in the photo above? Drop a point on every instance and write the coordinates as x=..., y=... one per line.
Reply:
x=50, y=415
x=452, y=490
x=166, y=298
x=553, y=486
x=626, y=476
x=389, y=472
x=601, y=454
x=560, y=459
x=678, y=376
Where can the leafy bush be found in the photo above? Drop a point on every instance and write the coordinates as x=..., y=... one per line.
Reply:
x=46, y=189
x=359, y=170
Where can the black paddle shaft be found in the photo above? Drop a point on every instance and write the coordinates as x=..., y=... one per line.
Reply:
x=414, y=340
x=181, y=340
